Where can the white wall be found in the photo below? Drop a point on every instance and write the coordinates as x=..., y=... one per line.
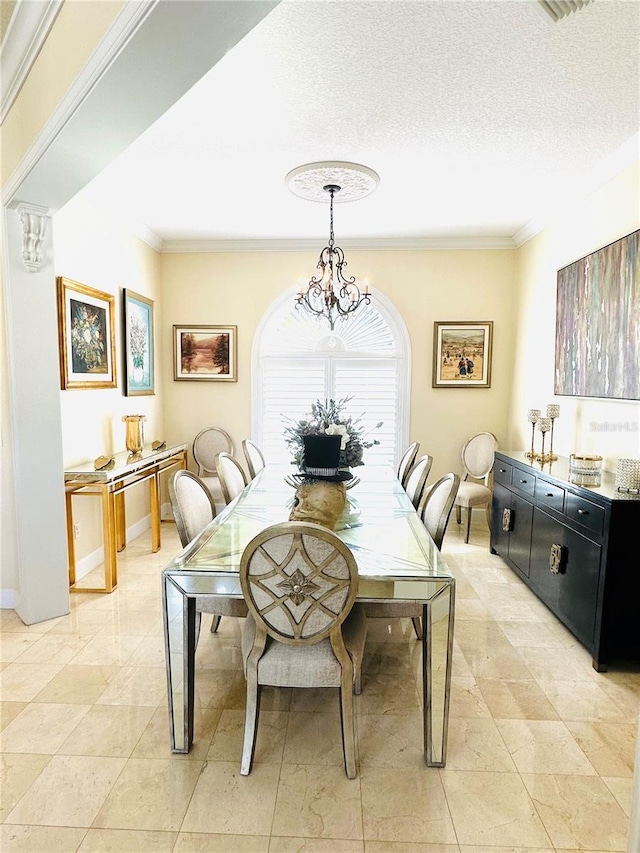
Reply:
x=610, y=428
x=93, y=249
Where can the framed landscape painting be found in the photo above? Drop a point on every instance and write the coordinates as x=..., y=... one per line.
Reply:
x=86, y=336
x=205, y=353
x=462, y=354
x=138, y=344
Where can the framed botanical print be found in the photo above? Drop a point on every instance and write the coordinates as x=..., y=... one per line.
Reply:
x=139, y=370
x=462, y=354
x=205, y=353
x=86, y=335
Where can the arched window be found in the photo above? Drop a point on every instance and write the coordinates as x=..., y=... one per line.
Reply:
x=297, y=360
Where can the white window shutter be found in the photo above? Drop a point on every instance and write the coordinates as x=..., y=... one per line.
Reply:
x=298, y=360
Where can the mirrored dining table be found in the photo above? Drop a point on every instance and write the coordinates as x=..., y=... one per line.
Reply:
x=397, y=561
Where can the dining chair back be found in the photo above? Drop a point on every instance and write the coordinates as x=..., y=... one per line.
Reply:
x=206, y=446
x=254, y=457
x=417, y=479
x=231, y=475
x=436, y=505
x=407, y=461
x=478, y=454
x=300, y=583
x=193, y=509
x=192, y=505
x=434, y=510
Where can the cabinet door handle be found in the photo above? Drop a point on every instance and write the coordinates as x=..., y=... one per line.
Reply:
x=506, y=520
x=556, y=555
x=583, y=512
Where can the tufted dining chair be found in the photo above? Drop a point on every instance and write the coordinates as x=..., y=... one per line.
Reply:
x=478, y=454
x=193, y=508
x=407, y=462
x=231, y=475
x=254, y=457
x=434, y=511
x=300, y=582
x=417, y=479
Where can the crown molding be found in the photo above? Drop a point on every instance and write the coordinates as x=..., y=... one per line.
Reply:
x=622, y=158
x=27, y=31
x=306, y=245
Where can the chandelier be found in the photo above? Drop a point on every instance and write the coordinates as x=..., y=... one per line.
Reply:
x=330, y=294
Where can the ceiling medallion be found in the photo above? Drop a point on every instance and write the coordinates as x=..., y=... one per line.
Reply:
x=330, y=294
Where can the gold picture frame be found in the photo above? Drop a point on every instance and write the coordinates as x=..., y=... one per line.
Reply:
x=205, y=353
x=86, y=336
x=462, y=354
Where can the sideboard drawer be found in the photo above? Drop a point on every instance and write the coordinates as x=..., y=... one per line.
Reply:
x=584, y=512
x=523, y=481
x=502, y=472
x=550, y=495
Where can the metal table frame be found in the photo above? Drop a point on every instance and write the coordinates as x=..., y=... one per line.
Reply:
x=208, y=568
x=110, y=485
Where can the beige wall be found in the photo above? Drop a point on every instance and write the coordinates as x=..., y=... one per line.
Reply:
x=94, y=250
x=237, y=288
x=76, y=32
x=609, y=428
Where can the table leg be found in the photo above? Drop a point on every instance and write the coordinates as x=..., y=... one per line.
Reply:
x=437, y=654
x=179, y=615
x=154, y=500
x=121, y=519
x=109, y=537
x=71, y=545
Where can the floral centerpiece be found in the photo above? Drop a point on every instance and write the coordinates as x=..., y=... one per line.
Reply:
x=328, y=417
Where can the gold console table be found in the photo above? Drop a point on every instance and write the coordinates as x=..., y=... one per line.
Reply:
x=110, y=485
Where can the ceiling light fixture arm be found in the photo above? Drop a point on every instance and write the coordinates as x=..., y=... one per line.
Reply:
x=331, y=294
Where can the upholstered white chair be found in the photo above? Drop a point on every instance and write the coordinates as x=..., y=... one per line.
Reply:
x=193, y=508
x=254, y=457
x=206, y=446
x=478, y=454
x=434, y=510
x=407, y=462
x=231, y=475
x=300, y=583
x=417, y=479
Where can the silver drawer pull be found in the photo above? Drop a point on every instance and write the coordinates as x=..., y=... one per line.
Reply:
x=583, y=512
x=503, y=470
x=523, y=481
x=549, y=495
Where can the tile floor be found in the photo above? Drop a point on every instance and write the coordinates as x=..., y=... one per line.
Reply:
x=540, y=746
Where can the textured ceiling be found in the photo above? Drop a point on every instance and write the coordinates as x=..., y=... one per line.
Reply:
x=480, y=116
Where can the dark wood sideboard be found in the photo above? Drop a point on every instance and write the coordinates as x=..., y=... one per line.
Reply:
x=576, y=547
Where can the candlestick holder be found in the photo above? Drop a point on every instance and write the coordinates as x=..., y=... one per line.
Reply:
x=553, y=412
x=533, y=416
x=544, y=425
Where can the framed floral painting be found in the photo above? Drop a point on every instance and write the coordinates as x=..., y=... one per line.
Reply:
x=462, y=354
x=86, y=334
x=206, y=353
x=139, y=369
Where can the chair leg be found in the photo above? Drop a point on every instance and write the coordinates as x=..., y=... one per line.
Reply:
x=250, y=723
x=466, y=535
x=488, y=511
x=215, y=623
x=458, y=514
x=348, y=723
x=417, y=626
